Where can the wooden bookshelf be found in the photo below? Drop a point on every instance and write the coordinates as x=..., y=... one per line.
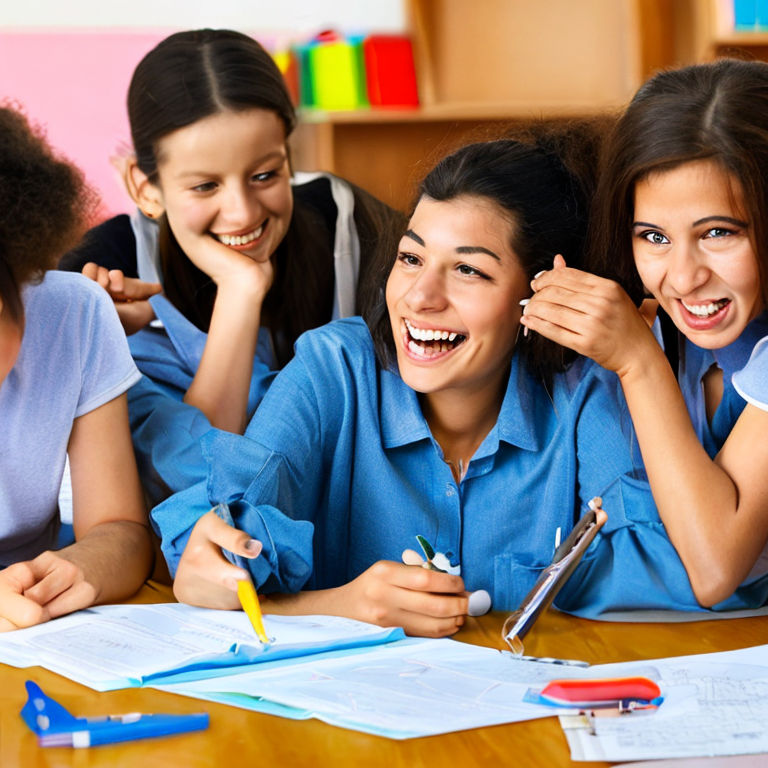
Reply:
x=712, y=22
x=483, y=64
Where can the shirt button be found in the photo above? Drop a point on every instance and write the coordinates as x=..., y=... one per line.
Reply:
x=449, y=490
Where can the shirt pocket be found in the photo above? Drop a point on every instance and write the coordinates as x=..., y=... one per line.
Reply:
x=512, y=581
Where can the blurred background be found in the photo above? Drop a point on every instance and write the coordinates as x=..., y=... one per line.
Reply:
x=383, y=86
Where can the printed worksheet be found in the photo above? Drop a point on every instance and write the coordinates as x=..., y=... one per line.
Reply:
x=402, y=690
x=711, y=708
x=121, y=646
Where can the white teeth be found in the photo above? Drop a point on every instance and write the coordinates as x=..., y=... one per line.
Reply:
x=240, y=239
x=429, y=334
x=705, y=310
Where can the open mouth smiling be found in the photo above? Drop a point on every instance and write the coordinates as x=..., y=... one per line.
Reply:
x=245, y=239
x=428, y=342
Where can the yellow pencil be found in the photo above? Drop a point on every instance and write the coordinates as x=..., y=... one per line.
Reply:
x=250, y=602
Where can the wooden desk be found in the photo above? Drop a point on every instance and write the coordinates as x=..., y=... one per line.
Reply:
x=241, y=738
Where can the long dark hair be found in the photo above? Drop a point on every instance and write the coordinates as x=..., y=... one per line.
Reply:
x=544, y=181
x=716, y=111
x=45, y=206
x=193, y=75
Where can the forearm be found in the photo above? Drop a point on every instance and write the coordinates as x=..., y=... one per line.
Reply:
x=696, y=499
x=221, y=385
x=321, y=602
x=114, y=557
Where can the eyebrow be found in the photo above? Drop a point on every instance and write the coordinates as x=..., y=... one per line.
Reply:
x=698, y=222
x=410, y=233
x=476, y=249
x=464, y=249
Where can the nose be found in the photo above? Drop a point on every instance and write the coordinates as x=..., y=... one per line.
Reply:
x=240, y=207
x=687, y=269
x=427, y=292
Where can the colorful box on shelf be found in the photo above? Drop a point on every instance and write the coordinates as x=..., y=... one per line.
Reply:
x=336, y=72
x=750, y=15
x=390, y=73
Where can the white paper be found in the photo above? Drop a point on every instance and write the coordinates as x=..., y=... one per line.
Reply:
x=406, y=689
x=117, y=646
x=715, y=705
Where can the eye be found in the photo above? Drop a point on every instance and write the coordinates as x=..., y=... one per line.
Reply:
x=469, y=271
x=409, y=259
x=207, y=186
x=654, y=238
x=262, y=177
x=717, y=232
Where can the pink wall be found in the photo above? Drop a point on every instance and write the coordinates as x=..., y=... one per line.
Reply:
x=74, y=84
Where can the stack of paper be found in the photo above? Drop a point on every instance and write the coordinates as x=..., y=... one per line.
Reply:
x=123, y=646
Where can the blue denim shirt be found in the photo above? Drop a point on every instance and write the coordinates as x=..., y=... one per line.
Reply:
x=165, y=430
x=338, y=469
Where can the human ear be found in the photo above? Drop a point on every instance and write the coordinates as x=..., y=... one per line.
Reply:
x=143, y=192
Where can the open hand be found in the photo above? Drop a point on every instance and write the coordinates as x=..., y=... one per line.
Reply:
x=589, y=314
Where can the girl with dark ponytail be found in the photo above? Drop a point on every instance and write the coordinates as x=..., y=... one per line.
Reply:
x=229, y=258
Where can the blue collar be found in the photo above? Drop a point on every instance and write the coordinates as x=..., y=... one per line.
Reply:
x=523, y=420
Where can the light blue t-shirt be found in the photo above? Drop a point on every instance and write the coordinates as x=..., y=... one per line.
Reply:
x=752, y=381
x=73, y=358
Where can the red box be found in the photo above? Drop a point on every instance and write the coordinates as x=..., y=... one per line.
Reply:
x=390, y=73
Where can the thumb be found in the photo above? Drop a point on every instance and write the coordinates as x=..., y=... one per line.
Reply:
x=559, y=262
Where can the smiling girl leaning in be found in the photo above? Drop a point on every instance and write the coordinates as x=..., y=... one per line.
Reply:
x=247, y=255
x=683, y=212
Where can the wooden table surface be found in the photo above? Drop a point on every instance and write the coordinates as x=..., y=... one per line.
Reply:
x=239, y=739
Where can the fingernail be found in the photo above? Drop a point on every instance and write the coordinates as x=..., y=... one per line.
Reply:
x=253, y=546
x=524, y=302
x=539, y=274
x=525, y=330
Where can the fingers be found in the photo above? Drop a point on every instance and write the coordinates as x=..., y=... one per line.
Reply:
x=131, y=288
x=16, y=609
x=205, y=577
x=214, y=529
x=419, y=579
x=61, y=585
x=98, y=274
x=120, y=287
x=425, y=603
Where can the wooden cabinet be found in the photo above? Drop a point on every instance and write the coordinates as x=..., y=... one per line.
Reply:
x=482, y=64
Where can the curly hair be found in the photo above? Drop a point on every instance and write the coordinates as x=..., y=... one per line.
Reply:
x=45, y=206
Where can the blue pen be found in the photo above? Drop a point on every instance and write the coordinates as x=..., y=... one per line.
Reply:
x=56, y=727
